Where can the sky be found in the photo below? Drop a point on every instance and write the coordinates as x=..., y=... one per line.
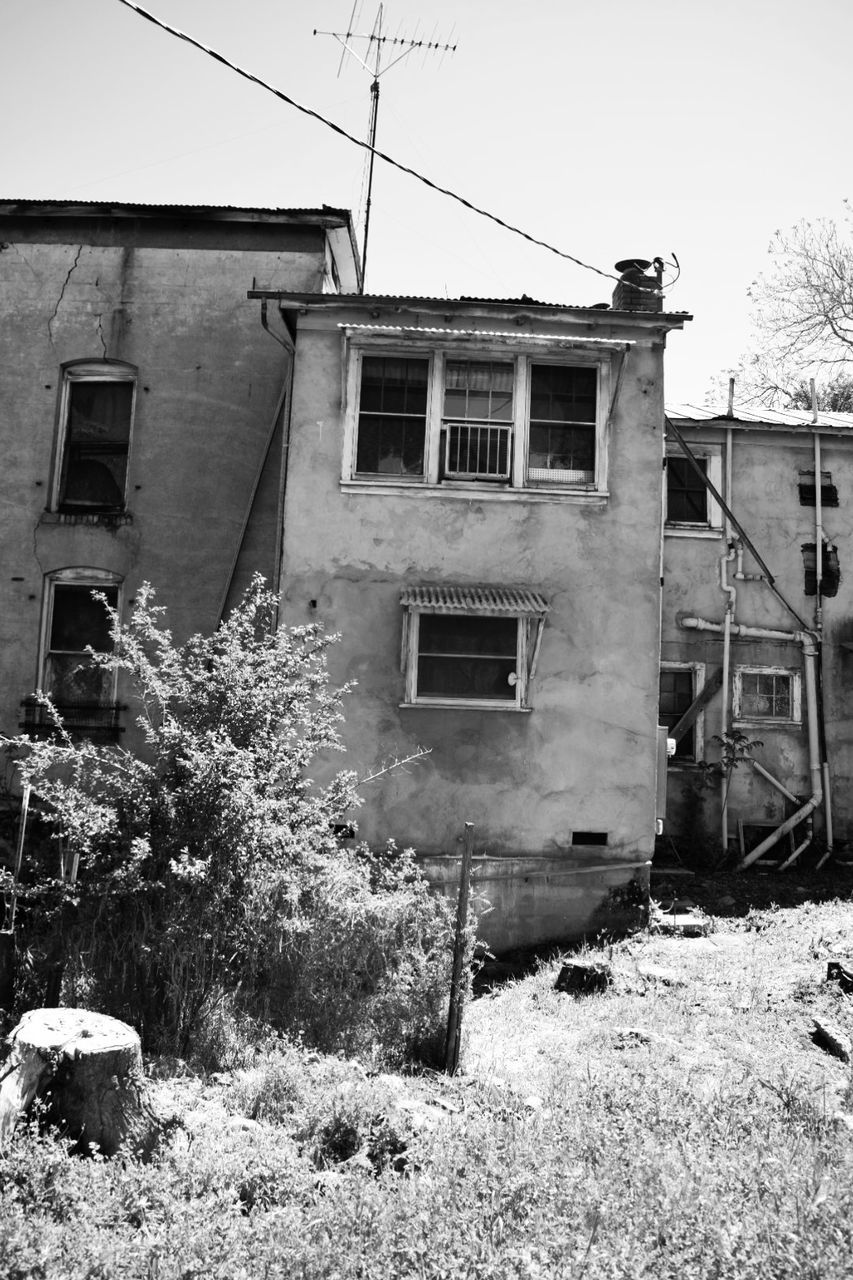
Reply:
x=610, y=129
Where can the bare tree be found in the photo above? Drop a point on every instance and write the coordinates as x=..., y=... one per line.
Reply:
x=803, y=320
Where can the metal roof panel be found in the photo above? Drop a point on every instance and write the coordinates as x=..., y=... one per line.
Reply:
x=502, y=601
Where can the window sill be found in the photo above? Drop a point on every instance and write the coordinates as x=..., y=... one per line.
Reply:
x=739, y=723
x=691, y=531
x=104, y=519
x=481, y=492
x=463, y=704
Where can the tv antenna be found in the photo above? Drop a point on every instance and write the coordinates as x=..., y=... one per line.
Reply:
x=378, y=43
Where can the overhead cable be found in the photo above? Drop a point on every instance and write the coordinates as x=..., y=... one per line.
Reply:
x=381, y=155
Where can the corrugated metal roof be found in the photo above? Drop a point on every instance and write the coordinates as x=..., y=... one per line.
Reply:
x=759, y=416
x=21, y=203
x=507, y=601
x=407, y=300
x=491, y=333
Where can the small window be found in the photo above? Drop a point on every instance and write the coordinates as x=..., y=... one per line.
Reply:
x=471, y=646
x=808, y=493
x=830, y=578
x=82, y=692
x=95, y=421
x=690, y=505
x=766, y=694
x=392, y=416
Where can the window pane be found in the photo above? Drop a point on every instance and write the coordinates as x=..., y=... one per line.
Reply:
x=392, y=384
x=562, y=448
x=72, y=680
x=78, y=620
x=563, y=393
x=478, y=389
x=466, y=678
x=100, y=411
x=766, y=696
x=686, y=495
x=452, y=633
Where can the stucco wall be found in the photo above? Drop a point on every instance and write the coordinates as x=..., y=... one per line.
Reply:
x=584, y=758
x=208, y=383
x=765, y=498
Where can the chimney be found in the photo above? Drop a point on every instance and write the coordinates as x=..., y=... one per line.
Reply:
x=635, y=290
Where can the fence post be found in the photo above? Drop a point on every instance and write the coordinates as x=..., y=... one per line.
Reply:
x=454, y=1015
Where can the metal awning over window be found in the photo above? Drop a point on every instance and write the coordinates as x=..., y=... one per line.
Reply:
x=498, y=601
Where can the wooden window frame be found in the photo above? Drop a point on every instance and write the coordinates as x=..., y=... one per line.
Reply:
x=698, y=670
x=437, y=355
x=738, y=716
x=74, y=373
x=712, y=526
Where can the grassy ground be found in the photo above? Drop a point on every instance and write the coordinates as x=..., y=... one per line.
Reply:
x=682, y=1123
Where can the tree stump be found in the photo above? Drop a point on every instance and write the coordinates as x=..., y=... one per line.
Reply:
x=88, y=1068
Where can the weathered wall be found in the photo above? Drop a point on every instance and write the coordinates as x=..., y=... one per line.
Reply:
x=584, y=757
x=209, y=382
x=765, y=498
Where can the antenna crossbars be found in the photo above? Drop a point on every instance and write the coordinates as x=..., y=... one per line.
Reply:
x=376, y=42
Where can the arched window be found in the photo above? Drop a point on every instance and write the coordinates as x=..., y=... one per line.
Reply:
x=83, y=693
x=95, y=416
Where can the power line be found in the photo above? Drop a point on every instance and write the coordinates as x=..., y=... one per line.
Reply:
x=381, y=155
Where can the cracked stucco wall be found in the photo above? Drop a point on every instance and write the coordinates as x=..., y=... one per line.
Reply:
x=209, y=380
x=584, y=758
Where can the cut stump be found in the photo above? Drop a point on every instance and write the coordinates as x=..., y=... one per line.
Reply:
x=583, y=977
x=88, y=1068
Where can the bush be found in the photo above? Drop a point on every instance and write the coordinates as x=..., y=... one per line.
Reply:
x=202, y=880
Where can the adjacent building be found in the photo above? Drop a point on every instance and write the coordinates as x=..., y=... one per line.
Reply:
x=757, y=637
x=142, y=409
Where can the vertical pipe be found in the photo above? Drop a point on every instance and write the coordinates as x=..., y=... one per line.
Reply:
x=818, y=531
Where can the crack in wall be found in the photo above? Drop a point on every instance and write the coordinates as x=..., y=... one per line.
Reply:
x=101, y=333
x=62, y=294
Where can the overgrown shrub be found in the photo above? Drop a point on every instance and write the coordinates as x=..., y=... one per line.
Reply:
x=202, y=879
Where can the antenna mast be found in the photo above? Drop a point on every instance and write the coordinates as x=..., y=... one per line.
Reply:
x=377, y=43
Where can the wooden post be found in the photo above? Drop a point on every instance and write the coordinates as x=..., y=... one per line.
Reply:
x=454, y=1016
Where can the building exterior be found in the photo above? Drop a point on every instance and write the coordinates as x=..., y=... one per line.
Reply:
x=141, y=410
x=741, y=655
x=473, y=501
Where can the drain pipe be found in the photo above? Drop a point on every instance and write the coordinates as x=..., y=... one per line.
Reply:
x=818, y=621
x=725, y=558
x=807, y=640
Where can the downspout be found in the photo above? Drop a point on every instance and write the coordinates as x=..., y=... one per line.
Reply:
x=818, y=621
x=807, y=640
x=725, y=558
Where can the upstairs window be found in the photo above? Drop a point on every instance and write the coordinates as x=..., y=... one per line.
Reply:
x=691, y=508
x=95, y=421
x=563, y=412
x=392, y=417
x=471, y=646
x=446, y=418
x=477, y=422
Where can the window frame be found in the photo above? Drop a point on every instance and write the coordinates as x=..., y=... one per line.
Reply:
x=457, y=347
x=74, y=373
x=698, y=672
x=712, y=526
x=82, y=576
x=530, y=622
x=738, y=716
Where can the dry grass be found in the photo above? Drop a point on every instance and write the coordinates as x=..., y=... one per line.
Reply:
x=682, y=1123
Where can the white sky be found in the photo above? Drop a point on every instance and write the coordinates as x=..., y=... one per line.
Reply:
x=611, y=128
